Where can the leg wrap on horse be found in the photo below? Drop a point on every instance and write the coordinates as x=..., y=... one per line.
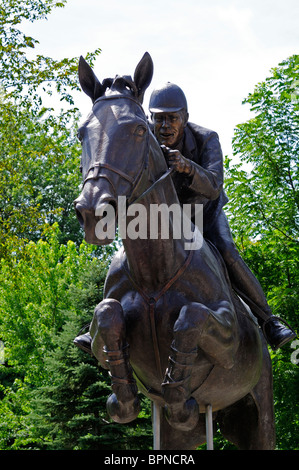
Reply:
x=181, y=410
x=109, y=333
x=123, y=405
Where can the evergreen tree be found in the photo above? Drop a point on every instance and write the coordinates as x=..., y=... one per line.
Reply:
x=54, y=395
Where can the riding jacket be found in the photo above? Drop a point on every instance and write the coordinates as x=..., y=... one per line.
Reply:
x=204, y=185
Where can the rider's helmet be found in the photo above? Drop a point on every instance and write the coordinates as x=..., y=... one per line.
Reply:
x=168, y=98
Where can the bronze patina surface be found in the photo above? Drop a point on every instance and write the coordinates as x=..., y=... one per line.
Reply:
x=170, y=324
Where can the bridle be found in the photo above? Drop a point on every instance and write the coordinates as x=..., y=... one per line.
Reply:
x=94, y=172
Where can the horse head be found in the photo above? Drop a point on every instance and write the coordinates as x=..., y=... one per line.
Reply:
x=115, y=140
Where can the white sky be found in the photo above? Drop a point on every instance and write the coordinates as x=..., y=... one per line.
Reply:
x=216, y=50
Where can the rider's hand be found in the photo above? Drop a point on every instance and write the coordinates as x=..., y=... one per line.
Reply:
x=176, y=160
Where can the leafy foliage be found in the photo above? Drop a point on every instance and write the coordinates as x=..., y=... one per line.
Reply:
x=268, y=143
x=263, y=212
x=39, y=153
x=52, y=395
x=21, y=75
x=39, y=177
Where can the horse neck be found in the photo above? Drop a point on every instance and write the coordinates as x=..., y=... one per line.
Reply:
x=153, y=261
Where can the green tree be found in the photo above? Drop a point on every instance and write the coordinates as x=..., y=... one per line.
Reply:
x=39, y=153
x=263, y=189
x=39, y=173
x=25, y=77
x=69, y=412
x=41, y=266
x=35, y=297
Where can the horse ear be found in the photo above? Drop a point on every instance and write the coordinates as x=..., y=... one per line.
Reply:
x=88, y=81
x=143, y=75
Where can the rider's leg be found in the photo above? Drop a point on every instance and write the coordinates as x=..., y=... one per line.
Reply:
x=247, y=285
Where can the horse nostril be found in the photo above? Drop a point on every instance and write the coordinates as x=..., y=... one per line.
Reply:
x=79, y=210
x=80, y=218
x=113, y=203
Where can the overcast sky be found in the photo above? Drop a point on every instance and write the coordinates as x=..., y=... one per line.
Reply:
x=216, y=50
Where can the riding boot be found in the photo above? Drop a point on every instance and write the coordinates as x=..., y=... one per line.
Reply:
x=123, y=405
x=181, y=409
x=276, y=330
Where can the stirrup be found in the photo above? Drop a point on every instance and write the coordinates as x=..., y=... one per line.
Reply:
x=281, y=320
x=84, y=328
x=83, y=341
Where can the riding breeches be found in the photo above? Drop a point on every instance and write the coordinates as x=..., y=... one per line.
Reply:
x=240, y=275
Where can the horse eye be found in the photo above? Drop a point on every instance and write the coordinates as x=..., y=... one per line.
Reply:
x=140, y=131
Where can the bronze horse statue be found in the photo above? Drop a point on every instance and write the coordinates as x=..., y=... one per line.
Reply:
x=170, y=324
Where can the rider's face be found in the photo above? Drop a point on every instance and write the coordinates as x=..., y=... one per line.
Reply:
x=169, y=127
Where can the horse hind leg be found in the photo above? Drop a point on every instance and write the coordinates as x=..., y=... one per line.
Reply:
x=244, y=425
x=109, y=341
x=264, y=436
x=180, y=440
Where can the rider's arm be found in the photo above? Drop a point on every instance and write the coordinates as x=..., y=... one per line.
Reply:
x=207, y=178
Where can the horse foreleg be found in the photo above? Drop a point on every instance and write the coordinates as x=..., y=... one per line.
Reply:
x=212, y=331
x=108, y=333
x=181, y=409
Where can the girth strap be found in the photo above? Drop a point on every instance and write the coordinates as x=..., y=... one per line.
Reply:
x=177, y=275
x=152, y=300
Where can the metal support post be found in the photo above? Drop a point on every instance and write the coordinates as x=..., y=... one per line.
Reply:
x=157, y=425
x=209, y=427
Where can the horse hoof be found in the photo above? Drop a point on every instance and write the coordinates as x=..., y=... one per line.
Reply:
x=122, y=412
x=183, y=418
